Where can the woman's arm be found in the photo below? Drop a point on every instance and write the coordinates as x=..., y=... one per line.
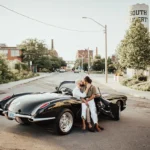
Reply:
x=92, y=97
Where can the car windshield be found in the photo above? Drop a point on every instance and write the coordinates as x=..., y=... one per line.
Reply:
x=68, y=85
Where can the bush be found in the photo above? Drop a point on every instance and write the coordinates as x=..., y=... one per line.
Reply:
x=44, y=70
x=7, y=74
x=130, y=82
x=144, y=86
x=142, y=78
x=24, y=66
x=18, y=66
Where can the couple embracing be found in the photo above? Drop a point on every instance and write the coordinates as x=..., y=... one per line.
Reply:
x=86, y=92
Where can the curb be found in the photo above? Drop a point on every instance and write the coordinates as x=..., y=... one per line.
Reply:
x=6, y=86
x=129, y=92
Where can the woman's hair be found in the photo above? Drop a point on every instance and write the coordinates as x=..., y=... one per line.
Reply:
x=87, y=79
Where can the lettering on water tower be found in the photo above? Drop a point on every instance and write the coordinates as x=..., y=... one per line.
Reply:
x=141, y=13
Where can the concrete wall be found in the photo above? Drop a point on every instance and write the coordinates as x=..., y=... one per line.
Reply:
x=132, y=72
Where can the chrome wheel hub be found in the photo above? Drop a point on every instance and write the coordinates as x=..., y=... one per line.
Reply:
x=66, y=122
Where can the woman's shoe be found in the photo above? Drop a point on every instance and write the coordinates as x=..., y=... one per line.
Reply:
x=101, y=128
x=91, y=129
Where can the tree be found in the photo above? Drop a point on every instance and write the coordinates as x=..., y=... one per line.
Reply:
x=32, y=50
x=78, y=63
x=111, y=65
x=97, y=57
x=98, y=65
x=85, y=66
x=109, y=61
x=62, y=62
x=134, y=50
x=44, y=62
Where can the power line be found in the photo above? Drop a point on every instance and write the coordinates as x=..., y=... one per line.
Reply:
x=47, y=24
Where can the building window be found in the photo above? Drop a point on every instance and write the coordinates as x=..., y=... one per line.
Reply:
x=15, y=53
x=4, y=52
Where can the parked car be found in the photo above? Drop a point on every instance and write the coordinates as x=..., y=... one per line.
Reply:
x=62, y=70
x=76, y=71
x=59, y=108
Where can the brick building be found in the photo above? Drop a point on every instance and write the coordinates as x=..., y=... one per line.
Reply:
x=84, y=54
x=11, y=53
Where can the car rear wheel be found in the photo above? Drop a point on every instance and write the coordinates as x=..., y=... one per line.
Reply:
x=64, y=122
x=115, y=111
x=119, y=105
x=23, y=121
x=118, y=112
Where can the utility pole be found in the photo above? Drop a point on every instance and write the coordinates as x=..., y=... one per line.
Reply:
x=88, y=60
x=82, y=63
x=105, y=31
x=106, y=67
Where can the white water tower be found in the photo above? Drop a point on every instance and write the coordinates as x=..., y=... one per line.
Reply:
x=140, y=11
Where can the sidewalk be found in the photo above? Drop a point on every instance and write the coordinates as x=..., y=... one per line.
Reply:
x=10, y=85
x=118, y=87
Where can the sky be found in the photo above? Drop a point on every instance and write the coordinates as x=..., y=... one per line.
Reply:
x=67, y=14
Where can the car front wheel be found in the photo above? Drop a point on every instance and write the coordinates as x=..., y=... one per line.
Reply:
x=64, y=122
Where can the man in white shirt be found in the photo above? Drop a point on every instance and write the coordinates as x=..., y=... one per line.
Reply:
x=79, y=95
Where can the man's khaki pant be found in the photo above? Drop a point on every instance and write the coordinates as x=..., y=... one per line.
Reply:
x=88, y=118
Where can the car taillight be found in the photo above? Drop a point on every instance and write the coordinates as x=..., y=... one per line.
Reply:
x=44, y=105
x=6, y=98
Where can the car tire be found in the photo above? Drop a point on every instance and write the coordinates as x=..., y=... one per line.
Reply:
x=64, y=122
x=115, y=112
x=23, y=121
x=119, y=105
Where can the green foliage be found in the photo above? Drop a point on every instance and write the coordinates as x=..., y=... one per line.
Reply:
x=98, y=64
x=78, y=63
x=50, y=63
x=85, y=66
x=35, y=50
x=144, y=86
x=24, y=66
x=7, y=75
x=140, y=77
x=32, y=50
x=4, y=71
x=44, y=62
x=111, y=68
x=98, y=57
x=18, y=66
x=130, y=82
x=45, y=70
x=134, y=49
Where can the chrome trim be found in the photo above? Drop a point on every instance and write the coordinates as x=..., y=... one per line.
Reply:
x=4, y=112
x=40, y=119
x=32, y=119
x=23, y=116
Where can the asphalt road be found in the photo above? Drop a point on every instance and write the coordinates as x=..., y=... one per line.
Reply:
x=132, y=132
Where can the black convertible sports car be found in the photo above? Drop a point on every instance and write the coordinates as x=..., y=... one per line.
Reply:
x=58, y=107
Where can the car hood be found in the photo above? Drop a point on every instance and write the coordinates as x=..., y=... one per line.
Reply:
x=26, y=104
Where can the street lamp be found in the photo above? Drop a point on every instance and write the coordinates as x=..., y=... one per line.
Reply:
x=105, y=31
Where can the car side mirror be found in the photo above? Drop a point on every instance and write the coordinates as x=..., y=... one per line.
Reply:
x=56, y=88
